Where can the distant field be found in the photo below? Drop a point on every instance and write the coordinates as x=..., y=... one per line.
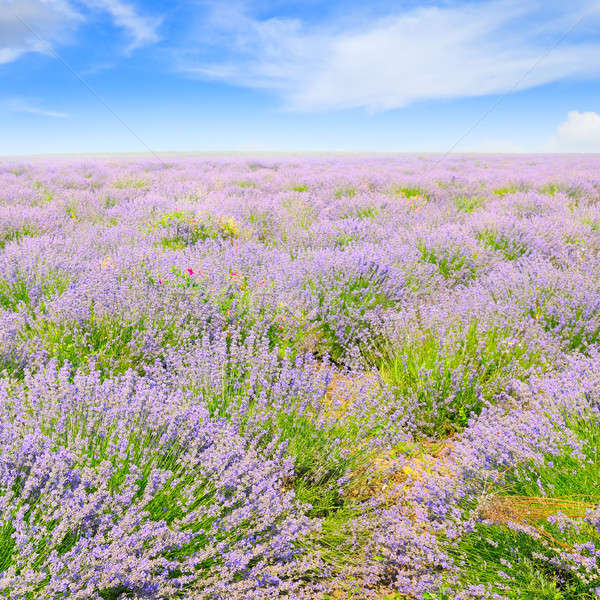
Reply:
x=304, y=377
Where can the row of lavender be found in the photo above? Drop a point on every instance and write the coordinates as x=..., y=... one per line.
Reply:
x=300, y=377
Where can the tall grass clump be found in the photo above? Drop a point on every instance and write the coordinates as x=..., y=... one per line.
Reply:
x=539, y=536
x=446, y=378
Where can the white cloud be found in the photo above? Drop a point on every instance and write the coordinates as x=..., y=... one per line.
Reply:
x=38, y=25
x=579, y=133
x=33, y=26
x=27, y=106
x=142, y=29
x=451, y=51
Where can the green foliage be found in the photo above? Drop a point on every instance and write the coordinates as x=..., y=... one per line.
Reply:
x=550, y=189
x=24, y=293
x=593, y=224
x=344, y=239
x=570, y=327
x=570, y=190
x=147, y=450
x=45, y=196
x=129, y=182
x=109, y=201
x=241, y=307
x=319, y=462
x=511, y=248
x=447, y=379
x=532, y=554
x=299, y=188
x=246, y=184
x=14, y=294
x=303, y=212
x=565, y=473
x=576, y=243
x=264, y=224
x=345, y=192
x=362, y=212
x=408, y=191
x=451, y=263
x=71, y=211
x=351, y=298
x=468, y=204
x=186, y=229
x=105, y=341
x=16, y=234
x=505, y=190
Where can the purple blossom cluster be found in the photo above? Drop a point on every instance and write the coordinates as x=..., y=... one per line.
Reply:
x=298, y=377
x=129, y=488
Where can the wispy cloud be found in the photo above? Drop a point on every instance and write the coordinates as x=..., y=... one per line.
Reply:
x=450, y=51
x=142, y=29
x=579, y=133
x=39, y=25
x=25, y=105
x=33, y=26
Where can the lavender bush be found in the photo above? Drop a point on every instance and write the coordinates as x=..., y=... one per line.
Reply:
x=300, y=377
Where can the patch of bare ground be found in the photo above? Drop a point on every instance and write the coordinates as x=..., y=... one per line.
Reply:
x=528, y=511
x=389, y=474
x=345, y=389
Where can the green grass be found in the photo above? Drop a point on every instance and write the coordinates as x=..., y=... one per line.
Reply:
x=593, y=224
x=71, y=212
x=506, y=190
x=18, y=293
x=468, y=204
x=362, y=212
x=186, y=230
x=550, y=189
x=450, y=263
x=128, y=182
x=255, y=166
x=512, y=249
x=351, y=298
x=243, y=309
x=324, y=450
x=109, y=201
x=303, y=213
x=107, y=342
x=534, y=558
x=16, y=234
x=299, y=188
x=246, y=184
x=146, y=449
x=566, y=319
x=45, y=196
x=264, y=225
x=345, y=192
x=345, y=239
x=446, y=380
x=408, y=191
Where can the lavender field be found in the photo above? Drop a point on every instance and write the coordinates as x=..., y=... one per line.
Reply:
x=302, y=377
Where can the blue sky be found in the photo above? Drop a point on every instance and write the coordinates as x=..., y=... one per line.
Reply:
x=251, y=75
